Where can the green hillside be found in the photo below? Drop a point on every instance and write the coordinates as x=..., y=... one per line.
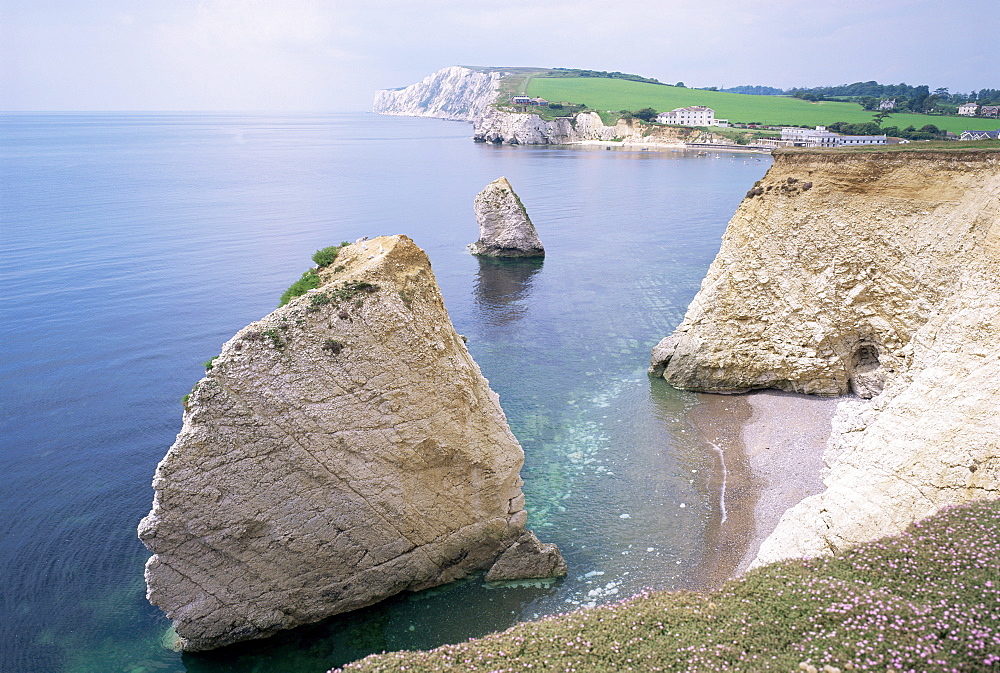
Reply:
x=616, y=94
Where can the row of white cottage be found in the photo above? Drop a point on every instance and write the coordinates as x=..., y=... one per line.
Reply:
x=699, y=115
x=820, y=137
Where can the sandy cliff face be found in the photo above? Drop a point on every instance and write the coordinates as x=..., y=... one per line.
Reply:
x=875, y=273
x=341, y=450
x=512, y=128
x=455, y=92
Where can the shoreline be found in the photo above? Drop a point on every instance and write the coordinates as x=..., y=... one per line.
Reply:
x=785, y=441
x=665, y=147
x=770, y=446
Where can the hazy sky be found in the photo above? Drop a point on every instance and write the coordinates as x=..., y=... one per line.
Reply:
x=333, y=54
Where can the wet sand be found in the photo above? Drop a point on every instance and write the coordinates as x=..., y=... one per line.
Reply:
x=768, y=448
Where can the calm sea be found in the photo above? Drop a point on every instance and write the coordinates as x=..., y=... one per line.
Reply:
x=133, y=245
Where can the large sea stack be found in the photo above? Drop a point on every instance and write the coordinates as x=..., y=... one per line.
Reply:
x=868, y=272
x=341, y=450
x=505, y=230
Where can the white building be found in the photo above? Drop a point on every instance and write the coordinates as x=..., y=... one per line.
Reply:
x=980, y=135
x=696, y=115
x=887, y=104
x=968, y=109
x=861, y=140
x=820, y=137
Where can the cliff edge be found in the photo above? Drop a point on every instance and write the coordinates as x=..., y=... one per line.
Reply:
x=341, y=450
x=874, y=273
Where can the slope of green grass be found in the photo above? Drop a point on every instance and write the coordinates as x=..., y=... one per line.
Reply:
x=616, y=94
x=927, y=599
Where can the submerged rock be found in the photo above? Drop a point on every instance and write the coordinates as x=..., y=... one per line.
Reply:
x=341, y=450
x=505, y=230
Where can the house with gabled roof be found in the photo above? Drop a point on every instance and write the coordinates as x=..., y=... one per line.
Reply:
x=979, y=135
x=968, y=109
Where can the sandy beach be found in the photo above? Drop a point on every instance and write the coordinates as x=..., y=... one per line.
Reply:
x=769, y=455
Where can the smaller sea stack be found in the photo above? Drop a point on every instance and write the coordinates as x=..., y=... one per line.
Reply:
x=504, y=227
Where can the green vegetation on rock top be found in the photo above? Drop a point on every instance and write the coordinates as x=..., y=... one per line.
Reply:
x=310, y=280
x=925, y=600
x=619, y=94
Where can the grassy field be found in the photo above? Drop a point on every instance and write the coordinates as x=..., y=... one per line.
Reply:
x=616, y=94
x=924, y=600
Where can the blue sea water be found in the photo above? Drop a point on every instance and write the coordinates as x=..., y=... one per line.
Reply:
x=133, y=245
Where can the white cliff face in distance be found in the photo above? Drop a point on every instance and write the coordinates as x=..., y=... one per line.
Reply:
x=873, y=273
x=341, y=450
x=455, y=92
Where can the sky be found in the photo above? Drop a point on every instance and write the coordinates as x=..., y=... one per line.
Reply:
x=331, y=55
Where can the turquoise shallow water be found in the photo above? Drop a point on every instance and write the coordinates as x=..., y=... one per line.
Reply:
x=133, y=245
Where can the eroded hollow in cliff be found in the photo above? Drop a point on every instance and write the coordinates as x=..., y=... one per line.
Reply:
x=866, y=376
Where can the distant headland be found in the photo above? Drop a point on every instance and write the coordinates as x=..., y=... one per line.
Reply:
x=538, y=106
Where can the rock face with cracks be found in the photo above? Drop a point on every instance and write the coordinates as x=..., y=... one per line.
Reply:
x=873, y=273
x=505, y=230
x=341, y=450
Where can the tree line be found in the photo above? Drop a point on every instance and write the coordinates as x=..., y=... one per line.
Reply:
x=873, y=128
x=870, y=95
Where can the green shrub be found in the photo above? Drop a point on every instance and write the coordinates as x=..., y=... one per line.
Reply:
x=327, y=255
x=319, y=299
x=187, y=397
x=646, y=114
x=309, y=281
x=275, y=337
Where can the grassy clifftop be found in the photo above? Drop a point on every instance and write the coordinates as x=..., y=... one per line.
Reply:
x=926, y=600
x=618, y=94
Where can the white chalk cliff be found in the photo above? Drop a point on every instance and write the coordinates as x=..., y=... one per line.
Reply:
x=500, y=126
x=456, y=92
x=872, y=272
x=341, y=450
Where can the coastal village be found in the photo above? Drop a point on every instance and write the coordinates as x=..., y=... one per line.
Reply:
x=700, y=116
